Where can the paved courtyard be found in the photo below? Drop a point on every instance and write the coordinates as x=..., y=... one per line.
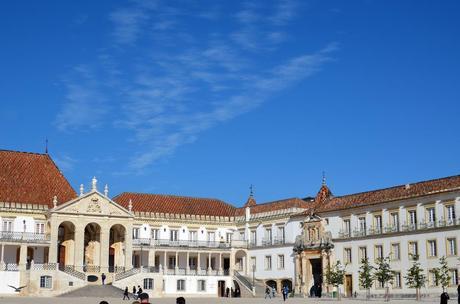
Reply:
x=84, y=300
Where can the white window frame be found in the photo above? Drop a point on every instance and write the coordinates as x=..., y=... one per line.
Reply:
x=180, y=285
x=280, y=261
x=173, y=235
x=451, y=246
x=201, y=285
x=432, y=249
x=46, y=282
x=268, y=262
x=148, y=283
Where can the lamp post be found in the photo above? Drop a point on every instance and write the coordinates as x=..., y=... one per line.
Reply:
x=253, y=275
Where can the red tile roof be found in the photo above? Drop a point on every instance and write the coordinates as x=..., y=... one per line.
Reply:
x=32, y=178
x=276, y=205
x=158, y=203
x=390, y=194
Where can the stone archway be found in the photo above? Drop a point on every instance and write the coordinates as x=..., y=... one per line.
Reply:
x=241, y=263
x=92, y=248
x=66, y=244
x=117, y=248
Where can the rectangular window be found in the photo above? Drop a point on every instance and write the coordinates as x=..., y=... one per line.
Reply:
x=413, y=219
x=281, y=235
x=148, y=283
x=192, y=235
x=452, y=246
x=201, y=285
x=362, y=253
x=7, y=226
x=40, y=228
x=180, y=285
x=268, y=236
x=46, y=282
x=155, y=234
x=347, y=227
x=136, y=233
x=451, y=213
x=253, y=263
x=397, y=280
x=413, y=248
x=173, y=234
x=253, y=238
x=228, y=237
x=281, y=261
x=430, y=215
x=347, y=255
x=268, y=262
x=362, y=224
x=453, y=277
x=211, y=236
x=395, y=251
x=378, y=252
x=395, y=220
x=432, y=250
x=242, y=236
x=378, y=223
x=192, y=262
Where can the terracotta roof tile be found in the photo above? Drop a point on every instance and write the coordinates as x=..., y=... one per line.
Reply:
x=32, y=178
x=143, y=202
x=276, y=205
x=391, y=194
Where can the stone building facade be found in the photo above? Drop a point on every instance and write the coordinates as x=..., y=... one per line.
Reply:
x=54, y=240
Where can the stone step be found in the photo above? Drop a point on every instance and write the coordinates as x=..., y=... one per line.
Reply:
x=95, y=291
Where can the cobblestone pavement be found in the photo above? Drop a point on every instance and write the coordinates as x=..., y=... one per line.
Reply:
x=84, y=300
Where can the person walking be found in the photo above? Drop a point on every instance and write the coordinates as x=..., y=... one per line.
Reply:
x=126, y=293
x=458, y=293
x=103, y=278
x=227, y=291
x=444, y=298
x=285, y=292
x=273, y=292
x=139, y=291
x=134, y=293
x=267, y=293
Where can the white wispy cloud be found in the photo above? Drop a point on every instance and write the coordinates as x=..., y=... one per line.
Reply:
x=65, y=162
x=177, y=84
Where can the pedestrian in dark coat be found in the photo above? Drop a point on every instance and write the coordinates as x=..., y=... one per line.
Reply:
x=126, y=293
x=444, y=298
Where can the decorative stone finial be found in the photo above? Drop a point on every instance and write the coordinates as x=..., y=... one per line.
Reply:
x=130, y=205
x=55, y=201
x=82, y=189
x=94, y=183
x=106, y=190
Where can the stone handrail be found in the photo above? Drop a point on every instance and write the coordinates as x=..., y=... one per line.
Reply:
x=70, y=270
x=180, y=243
x=28, y=237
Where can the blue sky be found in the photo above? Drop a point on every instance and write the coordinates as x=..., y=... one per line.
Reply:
x=205, y=98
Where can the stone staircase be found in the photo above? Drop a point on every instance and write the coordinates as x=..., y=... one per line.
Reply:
x=247, y=287
x=95, y=291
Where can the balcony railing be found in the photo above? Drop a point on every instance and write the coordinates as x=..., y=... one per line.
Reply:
x=28, y=237
x=187, y=243
x=396, y=229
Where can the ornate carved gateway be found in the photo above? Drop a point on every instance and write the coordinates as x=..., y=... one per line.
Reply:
x=313, y=249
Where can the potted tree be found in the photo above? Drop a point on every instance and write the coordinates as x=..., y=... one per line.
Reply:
x=384, y=275
x=335, y=276
x=415, y=277
x=365, y=276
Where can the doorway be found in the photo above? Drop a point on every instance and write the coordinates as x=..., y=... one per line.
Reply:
x=348, y=285
x=221, y=288
x=111, y=259
x=226, y=264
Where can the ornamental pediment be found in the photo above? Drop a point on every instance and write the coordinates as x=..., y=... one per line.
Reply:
x=92, y=203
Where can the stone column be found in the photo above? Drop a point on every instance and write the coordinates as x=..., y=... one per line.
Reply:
x=176, y=266
x=165, y=261
x=187, y=268
x=22, y=257
x=105, y=243
x=209, y=263
x=79, y=246
x=298, y=273
x=151, y=258
x=220, y=264
x=129, y=247
x=232, y=263
x=52, y=255
x=198, y=264
x=3, y=254
x=304, y=275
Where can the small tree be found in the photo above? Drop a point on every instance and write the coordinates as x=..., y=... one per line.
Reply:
x=441, y=274
x=365, y=276
x=415, y=277
x=335, y=275
x=384, y=274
